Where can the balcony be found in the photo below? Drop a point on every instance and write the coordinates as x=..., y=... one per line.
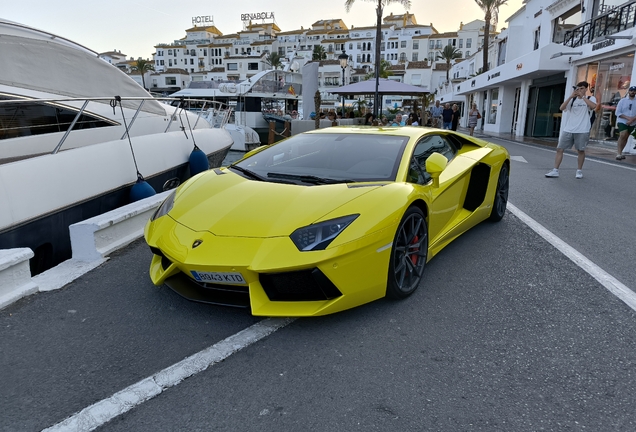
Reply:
x=616, y=20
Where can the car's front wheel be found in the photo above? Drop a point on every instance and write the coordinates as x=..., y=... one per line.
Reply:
x=408, y=255
x=501, y=195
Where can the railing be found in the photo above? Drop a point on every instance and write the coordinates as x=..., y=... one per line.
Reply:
x=616, y=20
x=81, y=114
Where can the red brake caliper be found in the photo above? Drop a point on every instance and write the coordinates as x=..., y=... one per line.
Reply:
x=414, y=256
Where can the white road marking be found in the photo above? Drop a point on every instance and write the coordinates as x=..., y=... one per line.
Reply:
x=105, y=410
x=612, y=284
x=518, y=159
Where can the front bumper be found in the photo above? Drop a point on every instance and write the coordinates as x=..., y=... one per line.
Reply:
x=280, y=280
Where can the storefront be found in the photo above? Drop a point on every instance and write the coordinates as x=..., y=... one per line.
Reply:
x=609, y=80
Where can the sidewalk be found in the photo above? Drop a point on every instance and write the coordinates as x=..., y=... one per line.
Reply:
x=598, y=149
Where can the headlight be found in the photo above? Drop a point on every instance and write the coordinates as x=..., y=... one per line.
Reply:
x=165, y=206
x=319, y=236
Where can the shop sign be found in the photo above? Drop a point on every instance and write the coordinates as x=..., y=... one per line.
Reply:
x=495, y=75
x=257, y=16
x=203, y=20
x=603, y=44
x=617, y=66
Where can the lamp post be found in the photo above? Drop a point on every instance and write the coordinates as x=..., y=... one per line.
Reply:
x=343, y=64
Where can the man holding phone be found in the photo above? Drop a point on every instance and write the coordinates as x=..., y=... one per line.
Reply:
x=575, y=127
x=625, y=119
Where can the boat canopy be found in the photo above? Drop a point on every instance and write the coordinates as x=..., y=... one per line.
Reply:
x=50, y=67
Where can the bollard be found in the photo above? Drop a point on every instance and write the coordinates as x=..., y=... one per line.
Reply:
x=272, y=132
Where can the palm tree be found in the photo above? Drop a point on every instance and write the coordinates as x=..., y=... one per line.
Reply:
x=378, y=38
x=319, y=53
x=448, y=54
x=491, y=11
x=142, y=66
x=385, y=70
x=274, y=60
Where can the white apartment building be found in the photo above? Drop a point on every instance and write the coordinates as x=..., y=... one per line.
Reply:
x=411, y=48
x=570, y=41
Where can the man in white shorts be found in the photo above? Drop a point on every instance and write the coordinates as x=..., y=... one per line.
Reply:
x=575, y=127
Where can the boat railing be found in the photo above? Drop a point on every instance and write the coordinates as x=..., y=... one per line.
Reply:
x=179, y=104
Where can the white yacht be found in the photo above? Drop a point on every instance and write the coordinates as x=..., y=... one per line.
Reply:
x=75, y=135
x=272, y=95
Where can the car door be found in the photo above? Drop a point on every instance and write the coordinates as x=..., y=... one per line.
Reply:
x=446, y=200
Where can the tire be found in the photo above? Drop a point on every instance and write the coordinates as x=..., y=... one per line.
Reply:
x=408, y=255
x=501, y=195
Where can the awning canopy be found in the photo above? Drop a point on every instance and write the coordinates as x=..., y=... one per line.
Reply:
x=385, y=87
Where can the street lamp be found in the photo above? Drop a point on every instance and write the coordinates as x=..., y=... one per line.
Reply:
x=343, y=64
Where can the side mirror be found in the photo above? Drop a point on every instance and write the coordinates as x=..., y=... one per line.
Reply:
x=435, y=164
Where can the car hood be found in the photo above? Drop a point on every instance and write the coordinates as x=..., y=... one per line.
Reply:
x=227, y=204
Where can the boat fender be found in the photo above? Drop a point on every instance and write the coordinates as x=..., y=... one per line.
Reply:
x=140, y=190
x=198, y=162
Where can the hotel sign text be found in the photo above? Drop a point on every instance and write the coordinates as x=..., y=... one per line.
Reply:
x=203, y=20
x=257, y=16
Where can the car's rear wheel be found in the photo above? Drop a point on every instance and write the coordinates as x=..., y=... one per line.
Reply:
x=408, y=255
x=501, y=195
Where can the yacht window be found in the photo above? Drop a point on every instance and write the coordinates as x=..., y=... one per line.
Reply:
x=25, y=119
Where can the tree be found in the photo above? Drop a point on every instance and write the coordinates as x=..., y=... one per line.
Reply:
x=378, y=39
x=319, y=53
x=385, y=70
x=491, y=15
x=274, y=60
x=360, y=104
x=142, y=66
x=448, y=54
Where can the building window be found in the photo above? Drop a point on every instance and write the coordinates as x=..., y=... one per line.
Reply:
x=359, y=45
x=252, y=66
x=566, y=22
x=403, y=44
x=431, y=44
x=537, y=38
x=350, y=46
x=232, y=66
x=169, y=62
x=171, y=81
x=414, y=55
x=416, y=45
x=169, y=52
x=467, y=54
x=461, y=43
x=469, y=42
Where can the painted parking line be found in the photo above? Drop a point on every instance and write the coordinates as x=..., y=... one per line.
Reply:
x=105, y=410
x=612, y=284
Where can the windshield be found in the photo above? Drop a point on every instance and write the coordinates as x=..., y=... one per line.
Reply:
x=329, y=158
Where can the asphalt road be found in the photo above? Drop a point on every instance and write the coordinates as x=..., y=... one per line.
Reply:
x=505, y=334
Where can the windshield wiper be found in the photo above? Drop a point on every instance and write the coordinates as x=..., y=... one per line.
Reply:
x=247, y=172
x=309, y=178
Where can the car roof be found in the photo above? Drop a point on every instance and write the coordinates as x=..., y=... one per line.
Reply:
x=406, y=131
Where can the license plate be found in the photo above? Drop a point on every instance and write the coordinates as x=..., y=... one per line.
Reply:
x=218, y=277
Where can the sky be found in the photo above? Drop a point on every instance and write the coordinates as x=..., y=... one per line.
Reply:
x=134, y=27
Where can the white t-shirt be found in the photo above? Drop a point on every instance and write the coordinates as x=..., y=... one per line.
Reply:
x=576, y=116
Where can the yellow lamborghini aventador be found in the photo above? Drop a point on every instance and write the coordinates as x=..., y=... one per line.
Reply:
x=325, y=220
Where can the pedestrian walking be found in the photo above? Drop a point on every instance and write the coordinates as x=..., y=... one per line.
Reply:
x=436, y=114
x=447, y=117
x=456, y=117
x=625, y=120
x=473, y=117
x=575, y=127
